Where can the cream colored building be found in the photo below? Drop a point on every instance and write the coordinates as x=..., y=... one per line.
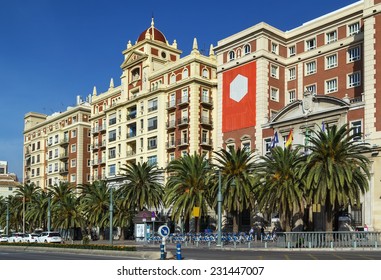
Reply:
x=57, y=147
x=163, y=108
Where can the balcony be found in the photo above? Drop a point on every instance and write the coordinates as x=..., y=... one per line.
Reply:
x=171, y=105
x=183, y=142
x=64, y=142
x=130, y=153
x=64, y=156
x=171, y=124
x=206, y=142
x=206, y=101
x=182, y=121
x=206, y=121
x=131, y=135
x=183, y=101
x=171, y=145
x=64, y=171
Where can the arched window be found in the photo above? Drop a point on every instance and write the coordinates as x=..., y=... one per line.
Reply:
x=205, y=73
x=231, y=55
x=135, y=74
x=247, y=49
x=172, y=79
x=185, y=73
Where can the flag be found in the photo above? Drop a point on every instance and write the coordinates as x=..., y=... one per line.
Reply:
x=289, y=139
x=275, y=140
x=323, y=126
x=307, y=137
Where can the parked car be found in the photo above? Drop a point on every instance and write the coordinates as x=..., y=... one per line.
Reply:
x=50, y=237
x=15, y=237
x=3, y=238
x=30, y=237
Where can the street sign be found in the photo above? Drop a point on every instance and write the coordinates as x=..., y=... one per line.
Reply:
x=163, y=231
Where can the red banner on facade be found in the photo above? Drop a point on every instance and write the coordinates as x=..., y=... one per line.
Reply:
x=239, y=97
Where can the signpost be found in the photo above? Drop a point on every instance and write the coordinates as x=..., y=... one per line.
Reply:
x=163, y=231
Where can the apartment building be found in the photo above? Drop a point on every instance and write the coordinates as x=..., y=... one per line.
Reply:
x=57, y=146
x=8, y=181
x=162, y=109
x=323, y=72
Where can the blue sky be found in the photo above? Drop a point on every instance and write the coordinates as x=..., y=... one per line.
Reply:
x=53, y=50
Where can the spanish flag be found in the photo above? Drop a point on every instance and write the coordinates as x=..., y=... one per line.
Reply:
x=289, y=140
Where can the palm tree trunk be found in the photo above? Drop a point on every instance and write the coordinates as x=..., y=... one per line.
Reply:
x=235, y=221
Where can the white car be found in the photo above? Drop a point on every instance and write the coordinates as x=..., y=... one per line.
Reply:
x=15, y=237
x=3, y=238
x=50, y=237
x=30, y=238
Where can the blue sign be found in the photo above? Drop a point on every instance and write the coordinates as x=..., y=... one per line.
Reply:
x=163, y=231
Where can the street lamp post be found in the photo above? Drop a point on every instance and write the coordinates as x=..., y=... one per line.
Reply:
x=219, y=202
x=48, y=213
x=7, y=232
x=111, y=212
x=23, y=214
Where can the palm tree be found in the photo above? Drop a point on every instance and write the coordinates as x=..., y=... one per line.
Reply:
x=95, y=202
x=236, y=167
x=26, y=194
x=187, y=186
x=37, y=212
x=337, y=171
x=67, y=214
x=279, y=187
x=143, y=187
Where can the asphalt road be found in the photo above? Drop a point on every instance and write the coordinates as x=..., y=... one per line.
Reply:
x=196, y=254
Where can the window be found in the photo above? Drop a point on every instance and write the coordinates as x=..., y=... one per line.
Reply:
x=112, y=135
x=205, y=137
x=310, y=67
x=354, y=54
x=205, y=96
x=291, y=96
x=152, y=143
x=172, y=100
x=274, y=48
x=184, y=95
x=354, y=80
x=274, y=94
x=205, y=73
x=246, y=145
x=111, y=153
x=292, y=73
x=55, y=153
x=135, y=74
x=55, y=139
x=310, y=44
x=112, y=170
x=184, y=137
x=331, y=86
x=247, y=49
x=274, y=71
x=353, y=28
x=73, y=163
x=152, y=160
x=171, y=138
x=267, y=145
x=112, y=119
x=331, y=37
x=185, y=73
x=311, y=88
x=172, y=80
x=291, y=51
x=152, y=123
x=231, y=55
x=356, y=127
x=152, y=105
x=73, y=148
x=331, y=61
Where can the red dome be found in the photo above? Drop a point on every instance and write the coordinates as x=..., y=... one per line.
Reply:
x=157, y=35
